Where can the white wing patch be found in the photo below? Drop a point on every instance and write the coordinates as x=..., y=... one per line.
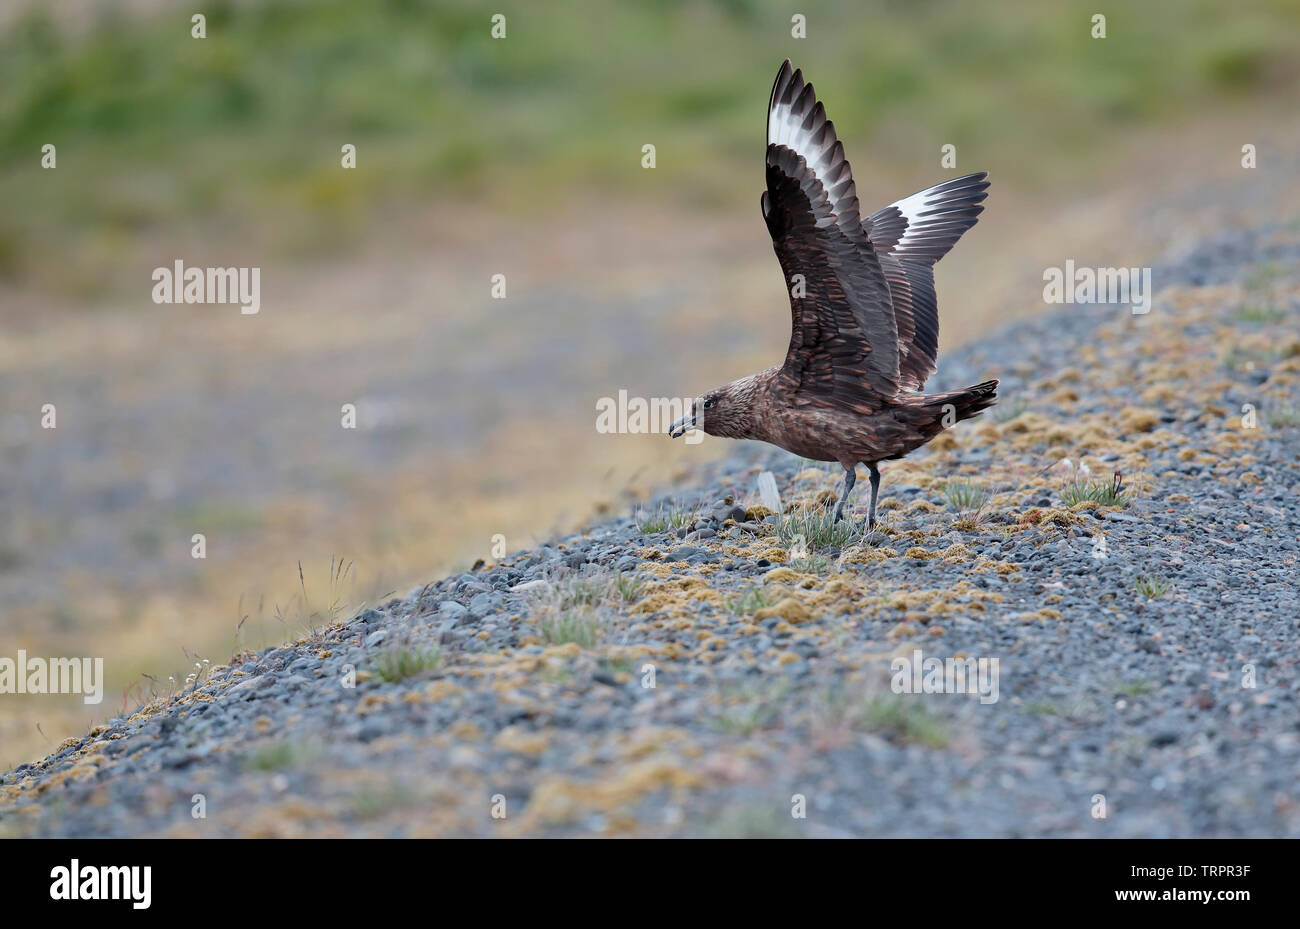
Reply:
x=912, y=207
x=936, y=218
x=797, y=121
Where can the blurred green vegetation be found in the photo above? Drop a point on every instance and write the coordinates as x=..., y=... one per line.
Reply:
x=239, y=134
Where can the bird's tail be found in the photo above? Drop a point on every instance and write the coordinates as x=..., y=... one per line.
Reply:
x=937, y=412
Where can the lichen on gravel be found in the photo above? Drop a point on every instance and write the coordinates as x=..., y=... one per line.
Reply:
x=1119, y=535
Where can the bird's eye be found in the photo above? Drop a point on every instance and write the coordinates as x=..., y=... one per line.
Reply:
x=708, y=402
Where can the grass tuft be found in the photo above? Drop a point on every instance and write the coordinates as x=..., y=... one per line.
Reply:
x=278, y=756
x=677, y=516
x=1112, y=494
x=751, y=707
x=965, y=496
x=402, y=661
x=1152, y=586
x=811, y=564
x=581, y=627
x=817, y=529
x=1284, y=417
x=629, y=586
x=1134, y=688
x=753, y=600
x=904, y=721
x=1262, y=313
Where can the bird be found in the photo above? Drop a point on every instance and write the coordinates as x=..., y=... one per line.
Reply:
x=864, y=315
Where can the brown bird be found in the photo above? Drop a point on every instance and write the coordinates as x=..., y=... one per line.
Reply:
x=865, y=319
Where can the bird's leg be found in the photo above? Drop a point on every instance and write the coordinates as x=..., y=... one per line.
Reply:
x=850, y=476
x=875, y=490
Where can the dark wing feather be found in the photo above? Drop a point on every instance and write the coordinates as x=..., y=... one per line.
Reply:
x=909, y=237
x=844, y=342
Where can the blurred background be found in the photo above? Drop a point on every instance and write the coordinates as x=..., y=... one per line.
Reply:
x=478, y=156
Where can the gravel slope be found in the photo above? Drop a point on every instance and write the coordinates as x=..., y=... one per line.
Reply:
x=472, y=716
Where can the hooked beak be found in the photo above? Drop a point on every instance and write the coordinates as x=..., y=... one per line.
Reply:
x=682, y=426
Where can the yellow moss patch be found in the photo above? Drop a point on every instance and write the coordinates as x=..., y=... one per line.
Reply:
x=917, y=552
x=789, y=609
x=1050, y=516
x=372, y=702
x=957, y=552
x=559, y=799
x=1138, y=419
x=911, y=473
x=780, y=576
x=923, y=506
x=1161, y=395
x=823, y=499
x=1087, y=506
x=1027, y=423
x=843, y=587
x=1059, y=435
x=465, y=729
x=758, y=513
x=676, y=596
x=521, y=741
x=863, y=555
x=442, y=690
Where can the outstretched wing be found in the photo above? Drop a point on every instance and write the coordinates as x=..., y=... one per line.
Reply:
x=909, y=237
x=844, y=342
